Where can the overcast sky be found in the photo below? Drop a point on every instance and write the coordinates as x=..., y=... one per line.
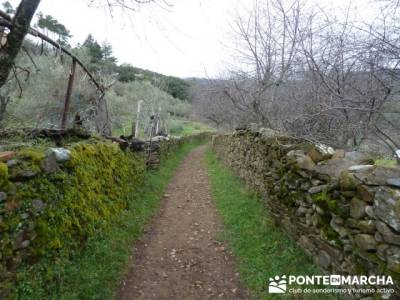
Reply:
x=189, y=39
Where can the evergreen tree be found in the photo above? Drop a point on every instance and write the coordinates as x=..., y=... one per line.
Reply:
x=107, y=53
x=51, y=24
x=95, y=50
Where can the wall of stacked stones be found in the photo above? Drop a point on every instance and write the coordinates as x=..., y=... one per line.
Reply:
x=53, y=199
x=339, y=207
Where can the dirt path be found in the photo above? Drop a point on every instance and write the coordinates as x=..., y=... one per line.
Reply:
x=179, y=257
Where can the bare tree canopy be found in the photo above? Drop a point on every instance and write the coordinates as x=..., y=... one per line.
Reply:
x=314, y=74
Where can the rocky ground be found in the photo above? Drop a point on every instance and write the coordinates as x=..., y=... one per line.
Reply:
x=179, y=256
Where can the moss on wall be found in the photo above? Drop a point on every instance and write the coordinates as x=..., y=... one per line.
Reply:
x=51, y=214
x=54, y=214
x=330, y=202
x=3, y=175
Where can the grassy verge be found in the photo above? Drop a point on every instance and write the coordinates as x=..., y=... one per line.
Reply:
x=262, y=250
x=96, y=271
x=178, y=127
x=386, y=162
x=182, y=127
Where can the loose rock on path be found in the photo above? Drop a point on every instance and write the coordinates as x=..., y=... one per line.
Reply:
x=179, y=256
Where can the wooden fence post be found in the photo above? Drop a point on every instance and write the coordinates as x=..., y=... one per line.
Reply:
x=68, y=95
x=137, y=128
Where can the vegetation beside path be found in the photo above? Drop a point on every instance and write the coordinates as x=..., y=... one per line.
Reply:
x=96, y=271
x=262, y=250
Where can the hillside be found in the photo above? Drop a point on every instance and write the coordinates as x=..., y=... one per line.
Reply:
x=176, y=87
x=40, y=92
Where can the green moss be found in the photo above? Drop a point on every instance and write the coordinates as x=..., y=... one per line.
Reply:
x=330, y=235
x=292, y=197
x=3, y=175
x=360, y=268
x=379, y=264
x=84, y=198
x=347, y=182
x=32, y=154
x=327, y=203
x=100, y=182
x=323, y=200
x=23, y=166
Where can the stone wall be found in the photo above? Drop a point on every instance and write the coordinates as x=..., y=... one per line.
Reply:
x=53, y=198
x=339, y=207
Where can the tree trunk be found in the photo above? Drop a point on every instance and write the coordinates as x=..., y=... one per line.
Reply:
x=20, y=27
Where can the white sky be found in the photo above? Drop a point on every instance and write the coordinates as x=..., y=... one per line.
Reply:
x=189, y=39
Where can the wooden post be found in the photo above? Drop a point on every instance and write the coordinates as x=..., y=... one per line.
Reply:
x=158, y=124
x=68, y=95
x=139, y=106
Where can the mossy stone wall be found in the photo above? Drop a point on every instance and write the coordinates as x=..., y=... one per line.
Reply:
x=53, y=199
x=339, y=207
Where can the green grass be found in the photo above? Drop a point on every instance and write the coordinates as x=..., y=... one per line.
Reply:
x=96, y=271
x=125, y=127
x=177, y=127
x=262, y=250
x=186, y=127
x=386, y=162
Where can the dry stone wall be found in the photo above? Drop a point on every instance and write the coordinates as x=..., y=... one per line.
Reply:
x=339, y=207
x=54, y=198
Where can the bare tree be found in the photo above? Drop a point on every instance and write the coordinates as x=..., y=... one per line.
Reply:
x=270, y=39
x=352, y=80
x=314, y=74
x=210, y=103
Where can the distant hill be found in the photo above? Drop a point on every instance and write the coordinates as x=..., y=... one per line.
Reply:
x=176, y=87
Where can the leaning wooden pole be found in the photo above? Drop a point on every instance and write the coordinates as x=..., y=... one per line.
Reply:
x=68, y=95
